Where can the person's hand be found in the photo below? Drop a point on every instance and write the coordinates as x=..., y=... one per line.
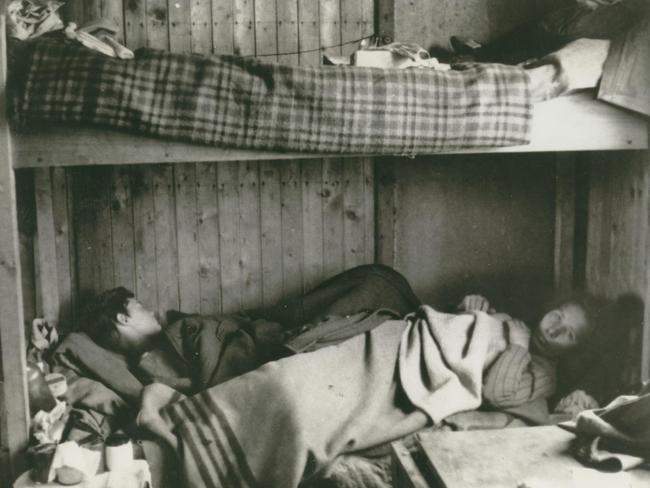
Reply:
x=474, y=303
x=518, y=333
x=575, y=402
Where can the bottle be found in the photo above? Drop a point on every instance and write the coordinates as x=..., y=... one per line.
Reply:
x=40, y=396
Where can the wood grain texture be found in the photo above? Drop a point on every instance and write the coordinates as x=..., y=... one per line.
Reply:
x=266, y=30
x=47, y=263
x=223, y=34
x=166, y=243
x=291, y=228
x=271, y=218
x=208, y=236
x=14, y=419
x=135, y=23
x=287, y=19
x=229, y=238
x=312, y=222
x=201, y=26
x=144, y=237
x=308, y=33
x=529, y=456
x=565, y=215
x=250, y=235
x=244, y=27
x=187, y=237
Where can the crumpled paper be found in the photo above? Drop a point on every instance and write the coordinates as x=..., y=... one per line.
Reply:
x=30, y=18
x=73, y=455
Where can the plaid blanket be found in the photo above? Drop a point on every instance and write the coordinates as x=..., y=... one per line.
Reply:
x=241, y=102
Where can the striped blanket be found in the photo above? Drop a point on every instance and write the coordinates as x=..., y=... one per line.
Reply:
x=243, y=103
x=288, y=420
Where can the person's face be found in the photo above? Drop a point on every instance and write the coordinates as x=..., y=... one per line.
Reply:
x=138, y=323
x=560, y=330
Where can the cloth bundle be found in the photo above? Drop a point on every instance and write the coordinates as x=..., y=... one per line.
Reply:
x=241, y=102
x=616, y=437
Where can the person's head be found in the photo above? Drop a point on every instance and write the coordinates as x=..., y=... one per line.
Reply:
x=116, y=320
x=567, y=326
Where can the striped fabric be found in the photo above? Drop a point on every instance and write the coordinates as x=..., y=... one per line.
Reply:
x=518, y=377
x=212, y=454
x=243, y=103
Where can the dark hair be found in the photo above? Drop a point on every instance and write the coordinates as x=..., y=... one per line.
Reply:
x=101, y=314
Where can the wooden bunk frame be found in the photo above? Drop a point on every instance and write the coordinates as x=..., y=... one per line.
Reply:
x=572, y=123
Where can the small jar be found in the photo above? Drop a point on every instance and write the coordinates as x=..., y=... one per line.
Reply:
x=118, y=452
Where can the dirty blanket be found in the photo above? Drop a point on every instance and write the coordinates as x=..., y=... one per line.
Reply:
x=243, y=103
x=291, y=418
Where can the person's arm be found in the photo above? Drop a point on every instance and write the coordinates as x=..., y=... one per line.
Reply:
x=517, y=377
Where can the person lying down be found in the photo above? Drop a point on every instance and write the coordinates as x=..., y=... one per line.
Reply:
x=287, y=420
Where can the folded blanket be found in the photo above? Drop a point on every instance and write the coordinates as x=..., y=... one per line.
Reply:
x=241, y=102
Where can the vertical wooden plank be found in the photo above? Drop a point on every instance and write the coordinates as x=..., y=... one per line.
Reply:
x=93, y=224
x=113, y=10
x=63, y=235
x=14, y=422
x=266, y=29
x=201, y=28
x=271, y=221
x=156, y=25
x=74, y=11
x=186, y=228
x=244, y=28
x=386, y=201
x=46, y=245
x=208, y=231
x=64, y=240
x=179, y=26
x=385, y=18
x=368, y=17
x=292, y=245
x=144, y=237
x=354, y=251
x=122, y=228
x=250, y=234
x=228, y=184
x=333, y=256
x=223, y=34
x=644, y=226
x=288, y=31
x=83, y=218
x=312, y=222
x=102, y=230
x=308, y=33
x=369, y=209
x=330, y=26
x=135, y=21
x=166, y=245
x=565, y=213
x=351, y=25
x=92, y=10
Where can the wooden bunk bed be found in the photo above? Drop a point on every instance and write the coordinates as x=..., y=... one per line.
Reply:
x=571, y=123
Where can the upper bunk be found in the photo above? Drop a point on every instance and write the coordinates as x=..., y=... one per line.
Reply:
x=575, y=122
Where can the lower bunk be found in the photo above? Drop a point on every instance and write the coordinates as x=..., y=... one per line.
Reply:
x=310, y=391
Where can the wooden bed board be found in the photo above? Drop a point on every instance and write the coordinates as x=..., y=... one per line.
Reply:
x=571, y=123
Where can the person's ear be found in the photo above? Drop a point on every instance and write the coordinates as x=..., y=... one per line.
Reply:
x=122, y=319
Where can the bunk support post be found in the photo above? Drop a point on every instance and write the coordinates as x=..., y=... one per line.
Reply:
x=14, y=421
x=565, y=221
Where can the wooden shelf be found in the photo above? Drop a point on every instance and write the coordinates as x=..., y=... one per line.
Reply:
x=571, y=123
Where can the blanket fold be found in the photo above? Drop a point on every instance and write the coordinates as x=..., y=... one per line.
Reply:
x=244, y=103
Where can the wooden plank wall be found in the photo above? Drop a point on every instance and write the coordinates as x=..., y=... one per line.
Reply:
x=617, y=250
x=207, y=237
x=464, y=224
